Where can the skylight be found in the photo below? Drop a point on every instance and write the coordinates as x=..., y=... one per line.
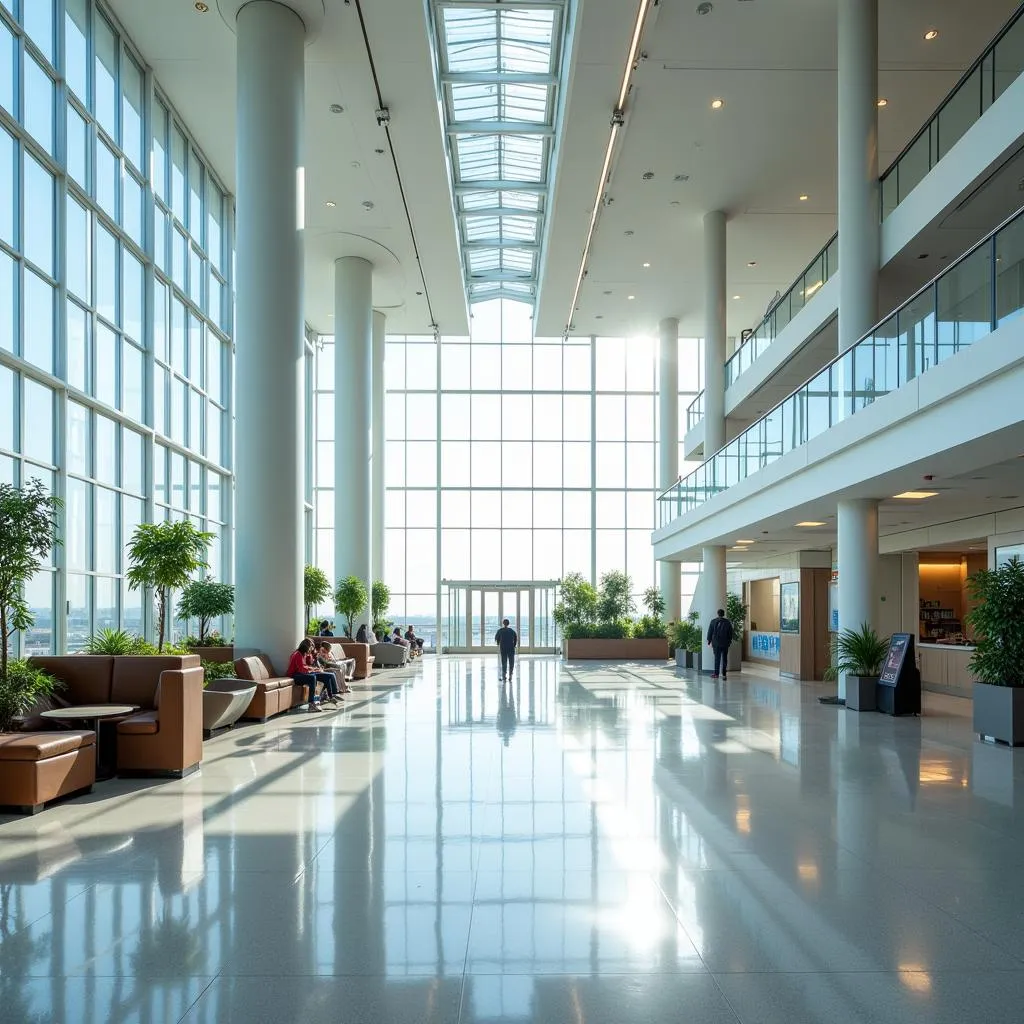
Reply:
x=499, y=67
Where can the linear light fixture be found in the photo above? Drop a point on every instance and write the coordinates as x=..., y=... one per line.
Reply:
x=616, y=123
x=915, y=495
x=809, y=524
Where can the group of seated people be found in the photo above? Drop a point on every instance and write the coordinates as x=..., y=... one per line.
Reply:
x=410, y=640
x=311, y=664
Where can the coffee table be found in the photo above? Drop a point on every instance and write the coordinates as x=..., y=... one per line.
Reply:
x=94, y=713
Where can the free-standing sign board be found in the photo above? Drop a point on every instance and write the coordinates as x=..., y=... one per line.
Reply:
x=899, y=683
x=899, y=644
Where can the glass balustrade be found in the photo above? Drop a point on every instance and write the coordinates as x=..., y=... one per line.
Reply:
x=695, y=411
x=982, y=291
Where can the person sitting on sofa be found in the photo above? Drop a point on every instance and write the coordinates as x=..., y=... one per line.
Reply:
x=366, y=636
x=325, y=628
x=303, y=670
x=345, y=666
x=414, y=640
x=396, y=638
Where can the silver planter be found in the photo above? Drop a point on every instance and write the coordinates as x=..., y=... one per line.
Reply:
x=999, y=713
x=860, y=693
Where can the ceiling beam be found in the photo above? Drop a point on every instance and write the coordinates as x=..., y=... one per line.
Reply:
x=499, y=128
x=497, y=243
x=501, y=185
x=498, y=78
x=501, y=275
x=500, y=211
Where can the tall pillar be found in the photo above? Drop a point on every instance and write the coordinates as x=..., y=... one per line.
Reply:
x=857, y=521
x=377, y=418
x=714, y=332
x=668, y=448
x=353, y=417
x=269, y=463
x=859, y=208
x=712, y=588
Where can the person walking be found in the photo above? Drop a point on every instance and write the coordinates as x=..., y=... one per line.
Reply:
x=507, y=640
x=719, y=640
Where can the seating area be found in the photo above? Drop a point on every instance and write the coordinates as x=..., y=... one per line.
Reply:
x=38, y=767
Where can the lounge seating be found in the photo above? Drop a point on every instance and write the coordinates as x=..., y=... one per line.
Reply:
x=37, y=767
x=274, y=693
x=361, y=652
x=390, y=655
x=224, y=702
x=165, y=736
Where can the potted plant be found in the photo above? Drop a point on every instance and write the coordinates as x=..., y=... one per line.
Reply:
x=349, y=600
x=858, y=654
x=164, y=557
x=316, y=588
x=687, y=640
x=651, y=626
x=28, y=531
x=997, y=621
x=117, y=642
x=576, y=610
x=207, y=600
x=380, y=600
x=736, y=613
x=24, y=689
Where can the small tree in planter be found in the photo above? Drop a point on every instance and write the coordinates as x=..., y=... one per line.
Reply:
x=576, y=612
x=615, y=598
x=652, y=624
x=28, y=530
x=316, y=588
x=858, y=654
x=350, y=599
x=379, y=603
x=206, y=600
x=997, y=621
x=164, y=557
x=686, y=638
x=736, y=613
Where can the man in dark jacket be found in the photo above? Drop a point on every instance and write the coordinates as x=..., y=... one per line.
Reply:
x=507, y=641
x=719, y=639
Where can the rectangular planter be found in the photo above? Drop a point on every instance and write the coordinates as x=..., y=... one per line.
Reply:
x=616, y=650
x=735, y=663
x=684, y=659
x=860, y=693
x=999, y=713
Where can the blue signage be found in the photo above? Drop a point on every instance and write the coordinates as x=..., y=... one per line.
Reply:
x=765, y=646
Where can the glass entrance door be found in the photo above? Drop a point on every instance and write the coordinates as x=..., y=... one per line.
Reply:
x=475, y=611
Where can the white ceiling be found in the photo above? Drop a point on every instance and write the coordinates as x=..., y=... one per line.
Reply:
x=773, y=61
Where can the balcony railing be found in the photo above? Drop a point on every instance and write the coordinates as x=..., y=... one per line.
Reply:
x=999, y=65
x=968, y=301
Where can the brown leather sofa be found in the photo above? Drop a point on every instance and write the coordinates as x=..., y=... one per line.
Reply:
x=274, y=693
x=37, y=767
x=165, y=736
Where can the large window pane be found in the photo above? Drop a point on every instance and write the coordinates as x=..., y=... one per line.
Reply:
x=77, y=146
x=39, y=334
x=7, y=66
x=8, y=409
x=132, y=290
x=76, y=51
x=37, y=17
x=105, y=370
x=131, y=112
x=79, y=439
x=38, y=215
x=105, y=84
x=38, y=100
x=8, y=211
x=106, y=274
x=78, y=249
x=8, y=309
x=78, y=346
x=37, y=439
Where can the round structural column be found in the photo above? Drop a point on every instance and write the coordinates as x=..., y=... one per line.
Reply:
x=377, y=414
x=713, y=586
x=668, y=447
x=353, y=422
x=859, y=206
x=857, y=521
x=714, y=332
x=269, y=462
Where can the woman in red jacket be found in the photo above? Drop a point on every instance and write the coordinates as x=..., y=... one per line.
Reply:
x=302, y=668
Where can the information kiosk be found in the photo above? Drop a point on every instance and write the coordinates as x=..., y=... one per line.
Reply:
x=899, y=685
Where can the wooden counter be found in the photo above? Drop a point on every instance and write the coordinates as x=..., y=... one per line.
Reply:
x=944, y=668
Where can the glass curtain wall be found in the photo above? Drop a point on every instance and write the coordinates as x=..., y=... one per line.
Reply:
x=115, y=311
x=509, y=457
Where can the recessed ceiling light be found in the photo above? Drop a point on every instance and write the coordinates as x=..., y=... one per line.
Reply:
x=915, y=495
x=717, y=104
x=201, y=7
x=631, y=297
x=932, y=33
x=330, y=204
x=735, y=297
x=882, y=101
x=804, y=198
x=745, y=542
x=751, y=263
x=646, y=265
x=810, y=523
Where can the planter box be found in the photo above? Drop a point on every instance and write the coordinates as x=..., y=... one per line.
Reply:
x=684, y=659
x=860, y=693
x=999, y=713
x=735, y=663
x=616, y=650
x=222, y=654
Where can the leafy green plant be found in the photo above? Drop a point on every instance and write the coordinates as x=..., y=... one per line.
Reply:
x=350, y=599
x=856, y=652
x=736, y=613
x=216, y=670
x=313, y=627
x=316, y=588
x=649, y=627
x=117, y=642
x=686, y=635
x=616, y=629
x=380, y=601
x=212, y=639
x=654, y=602
x=997, y=621
x=615, y=597
x=205, y=600
x=164, y=557
x=28, y=531
x=576, y=609
x=22, y=686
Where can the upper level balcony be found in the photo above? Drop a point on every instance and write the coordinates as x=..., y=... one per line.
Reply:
x=970, y=306
x=953, y=182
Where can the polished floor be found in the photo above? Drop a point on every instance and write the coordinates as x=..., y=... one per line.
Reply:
x=591, y=845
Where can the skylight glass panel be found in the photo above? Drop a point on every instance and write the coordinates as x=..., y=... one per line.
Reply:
x=480, y=228
x=478, y=157
x=519, y=261
x=517, y=288
x=470, y=38
x=519, y=229
x=526, y=41
x=520, y=200
x=475, y=101
x=521, y=101
x=484, y=289
x=480, y=200
x=522, y=157
x=483, y=261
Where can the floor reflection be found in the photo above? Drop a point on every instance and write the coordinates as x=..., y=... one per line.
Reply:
x=583, y=843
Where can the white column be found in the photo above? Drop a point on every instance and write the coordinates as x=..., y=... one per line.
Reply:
x=713, y=587
x=714, y=332
x=269, y=461
x=859, y=209
x=377, y=417
x=668, y=448
x=353, y=417
x=857, y=521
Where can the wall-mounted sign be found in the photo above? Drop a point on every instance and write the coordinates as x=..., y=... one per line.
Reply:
x=764, y=646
